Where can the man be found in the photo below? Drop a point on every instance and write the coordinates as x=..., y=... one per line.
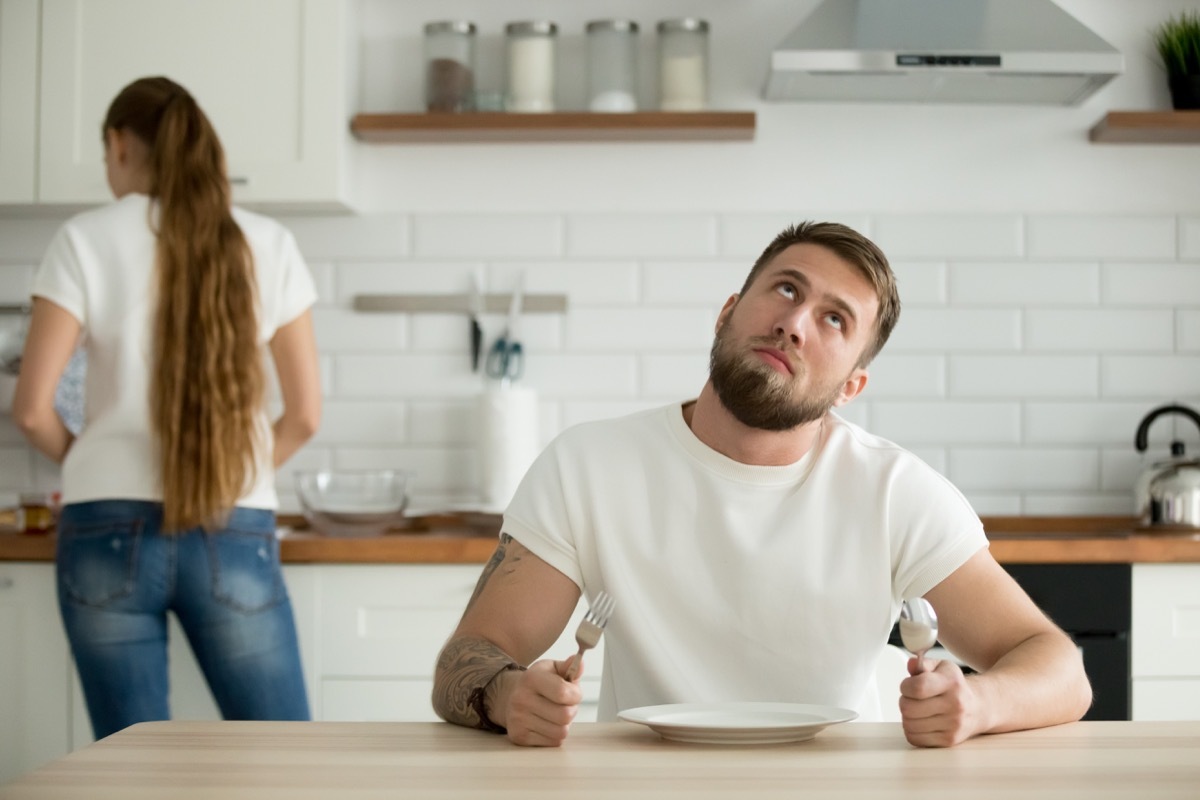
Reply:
x=758, y=545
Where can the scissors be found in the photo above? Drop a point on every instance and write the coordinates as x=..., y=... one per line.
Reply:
x=506, y=360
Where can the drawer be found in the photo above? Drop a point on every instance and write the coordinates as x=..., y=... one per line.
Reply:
x=406, y=701
x=1166, y=621
x=1166, y=699
x=391, y=621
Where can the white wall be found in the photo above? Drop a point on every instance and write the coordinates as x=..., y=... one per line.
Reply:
x=1051, y=287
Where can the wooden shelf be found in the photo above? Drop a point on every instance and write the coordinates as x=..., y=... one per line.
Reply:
x=1148, y=127
x=566, y=126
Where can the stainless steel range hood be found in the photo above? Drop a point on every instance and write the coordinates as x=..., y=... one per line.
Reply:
x=941, y=51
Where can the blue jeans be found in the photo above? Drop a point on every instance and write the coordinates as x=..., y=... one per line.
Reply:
x=118, y=575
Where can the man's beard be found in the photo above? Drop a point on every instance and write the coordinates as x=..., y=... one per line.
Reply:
x=756, y=394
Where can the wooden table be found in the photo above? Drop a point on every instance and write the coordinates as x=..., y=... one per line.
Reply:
x=234, y=760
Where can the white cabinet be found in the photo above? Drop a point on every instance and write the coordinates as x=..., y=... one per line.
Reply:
x=274, y=76
x=34, y=714
x=18, y=100
x=381, y=630
x=1166, y=641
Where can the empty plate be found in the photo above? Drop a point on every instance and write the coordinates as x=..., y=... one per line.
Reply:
x=737, y=723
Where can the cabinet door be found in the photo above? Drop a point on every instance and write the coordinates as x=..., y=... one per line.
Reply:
x=33, y=670
x=1166, y=621
x=271, y=75
x=18, y=99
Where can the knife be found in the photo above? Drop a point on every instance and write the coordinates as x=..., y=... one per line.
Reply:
x=476, y=311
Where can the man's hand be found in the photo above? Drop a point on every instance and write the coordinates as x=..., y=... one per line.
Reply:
x=938, y=707
x=538, y=704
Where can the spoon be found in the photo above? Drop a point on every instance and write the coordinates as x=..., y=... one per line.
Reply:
x=918, y=628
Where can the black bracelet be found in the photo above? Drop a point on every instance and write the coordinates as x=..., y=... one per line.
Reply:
x=476, y=700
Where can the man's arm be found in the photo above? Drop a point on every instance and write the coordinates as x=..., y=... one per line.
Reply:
x=518, y=609
x=1030, y=673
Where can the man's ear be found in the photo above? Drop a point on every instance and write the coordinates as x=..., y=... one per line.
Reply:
x=853, y=386
x=726, y=310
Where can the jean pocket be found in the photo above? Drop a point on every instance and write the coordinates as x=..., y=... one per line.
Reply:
x=97, y=562
x=246, y=575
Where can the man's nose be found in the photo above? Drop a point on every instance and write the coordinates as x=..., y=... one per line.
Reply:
x=794, y=325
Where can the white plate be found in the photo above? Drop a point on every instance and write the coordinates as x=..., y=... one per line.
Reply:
x=737, y=723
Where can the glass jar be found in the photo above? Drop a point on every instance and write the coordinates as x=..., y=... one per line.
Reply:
x=37, y=513
x=530, y=50
x=612, y=65
x=449, y=66
x=683, y=64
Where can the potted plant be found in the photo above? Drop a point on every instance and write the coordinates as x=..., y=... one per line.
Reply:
x=1178, y=43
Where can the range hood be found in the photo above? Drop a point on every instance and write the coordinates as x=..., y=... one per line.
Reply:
x=941, y=51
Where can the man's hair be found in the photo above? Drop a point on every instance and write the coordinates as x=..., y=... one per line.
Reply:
x=854, y=248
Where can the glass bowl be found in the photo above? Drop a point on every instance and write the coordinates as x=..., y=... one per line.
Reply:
x=344, y=502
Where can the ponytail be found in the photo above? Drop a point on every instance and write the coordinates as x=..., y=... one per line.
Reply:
x=207, y=379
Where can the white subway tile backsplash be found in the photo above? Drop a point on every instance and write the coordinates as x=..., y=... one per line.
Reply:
x=445, y=422
x=351, y=237
x=956, y=330
x=397, y=277
x=585, y=283
x=1103, y=237
x=1100, y=330
x=983, y=236
x=435, y=469
x=1120, y=468
x=340, y=331
x=1146, y=376
x=1018, y=284
x=641, y=235
x=994, y=504
x=1024, y=376
x=24, y=240
x=451, y=333
x=1189, y=238
x=640, y=329
x=1188, y=331
x=15, y=281
x=1151, y=284
x=587, y=377
x=1082, y=504
x=409, y=376
x=707, y=285
x=924, y=424
x=746, y=236
x=575, y=412
x=900, y=376
x=487, y=235
x=323, y=278
x=1025, y=470
x=920, y=282
x=673, y=376
x=379, y=422
x=16, y=469
x=1088, y=423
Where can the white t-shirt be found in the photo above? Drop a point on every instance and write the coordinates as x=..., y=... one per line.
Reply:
x=736, y=582
x=100, y=267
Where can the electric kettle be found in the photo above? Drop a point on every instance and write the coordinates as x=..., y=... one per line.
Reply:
x=1167, y=493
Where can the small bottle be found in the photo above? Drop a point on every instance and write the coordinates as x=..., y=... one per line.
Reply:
x=683, y=64
x=530, y=48
x=37, y=512
x=449, y=66
x=612, y=65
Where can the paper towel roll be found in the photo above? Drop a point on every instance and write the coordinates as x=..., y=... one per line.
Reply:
x=508, y=441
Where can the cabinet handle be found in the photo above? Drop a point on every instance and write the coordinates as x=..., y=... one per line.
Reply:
x=239, y=180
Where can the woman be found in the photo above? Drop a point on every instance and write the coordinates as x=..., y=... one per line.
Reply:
x=168, y=490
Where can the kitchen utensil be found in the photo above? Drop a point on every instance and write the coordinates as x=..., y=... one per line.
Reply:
x=353, y=502
x=918, y=628
x=506, y=361
x=1167, y=493
x=587, y=635
x=476, y=311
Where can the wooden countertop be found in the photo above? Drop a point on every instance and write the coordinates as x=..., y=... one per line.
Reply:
x=303, y=760
x=471, y=538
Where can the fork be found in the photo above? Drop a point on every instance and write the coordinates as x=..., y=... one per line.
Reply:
x=587, y=635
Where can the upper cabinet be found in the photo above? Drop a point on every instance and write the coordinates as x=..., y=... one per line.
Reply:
x=273, y=76
x=18, y=100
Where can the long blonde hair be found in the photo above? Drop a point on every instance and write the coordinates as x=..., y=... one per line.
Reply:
x=207, y=377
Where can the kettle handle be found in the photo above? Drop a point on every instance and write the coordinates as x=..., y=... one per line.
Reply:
x=1139, y=439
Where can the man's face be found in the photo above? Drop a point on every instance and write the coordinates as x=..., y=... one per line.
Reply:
x=787, y=350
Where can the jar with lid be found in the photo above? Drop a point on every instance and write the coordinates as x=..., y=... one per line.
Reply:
x=612, y=65
x=683, y=64
x=530, y=50
x=449, y=66
x=36, y=512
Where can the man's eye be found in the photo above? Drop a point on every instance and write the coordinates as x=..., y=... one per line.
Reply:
x=786, y=289
x=835, y=320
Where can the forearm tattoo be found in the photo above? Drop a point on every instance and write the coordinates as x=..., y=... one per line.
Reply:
x=502, y=553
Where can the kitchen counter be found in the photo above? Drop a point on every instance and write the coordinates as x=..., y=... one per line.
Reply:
x=471, y=538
